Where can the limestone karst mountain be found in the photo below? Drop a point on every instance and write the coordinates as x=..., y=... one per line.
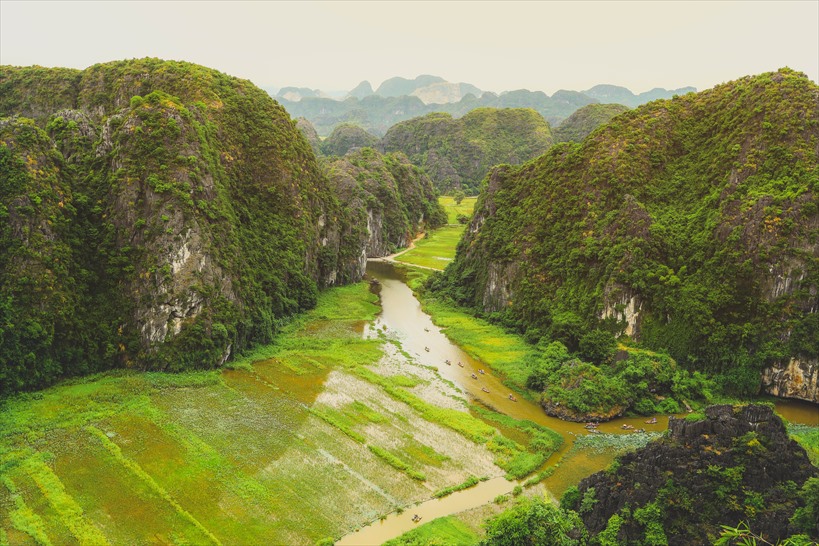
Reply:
x=688, y=224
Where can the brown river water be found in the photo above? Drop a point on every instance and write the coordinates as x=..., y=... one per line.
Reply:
x=403, y=318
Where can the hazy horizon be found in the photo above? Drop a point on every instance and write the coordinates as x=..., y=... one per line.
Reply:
x=333, y=46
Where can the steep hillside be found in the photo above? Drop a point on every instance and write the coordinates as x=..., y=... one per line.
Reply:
x=585, y=120
x=347, y=137
x=159, y=215
x=732, y=465
x=457, y=153
x=393, y=200
x=690, y=225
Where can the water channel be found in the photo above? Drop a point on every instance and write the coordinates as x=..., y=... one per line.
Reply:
x=403, y=319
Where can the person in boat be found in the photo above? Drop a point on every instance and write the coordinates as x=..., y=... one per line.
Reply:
x=459, y=364
x=481, y=371
x=474, y=376
x=426, y=349
x=652, y=421
x=484, y=389
x=512, y=398
x=627, y=427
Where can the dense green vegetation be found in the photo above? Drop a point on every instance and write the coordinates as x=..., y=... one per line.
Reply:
x=347, y=137
x=457, y=153
x=690, y=224
x=585, y=120
x=534, y=522
x=448, y=531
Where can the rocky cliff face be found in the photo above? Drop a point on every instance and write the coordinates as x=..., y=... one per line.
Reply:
x=796, y=378
x=735, y=464
x=391, y=199
x=683, y=226
x=187, y=213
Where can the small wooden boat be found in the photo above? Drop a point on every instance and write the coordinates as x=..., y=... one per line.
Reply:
x=474, y=376
x=481, y=372
x=448, y=363
x=627, y=427
x=512, y=398
x=426, y=349
x=459, y=364
x=652, y=421
x=484, y=389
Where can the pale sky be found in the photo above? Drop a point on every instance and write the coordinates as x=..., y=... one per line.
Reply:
x=496, y=46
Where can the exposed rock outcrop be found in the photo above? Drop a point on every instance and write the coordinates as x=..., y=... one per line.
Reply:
x=734, y=464
x=798, y=378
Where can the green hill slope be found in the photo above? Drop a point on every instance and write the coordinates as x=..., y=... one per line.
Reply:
x=457, y=153
x=688, y=224
x=347, y=137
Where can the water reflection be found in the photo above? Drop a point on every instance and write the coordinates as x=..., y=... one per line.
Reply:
x=402, y=318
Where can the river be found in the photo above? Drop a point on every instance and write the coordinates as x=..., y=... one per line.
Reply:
x=403, y=318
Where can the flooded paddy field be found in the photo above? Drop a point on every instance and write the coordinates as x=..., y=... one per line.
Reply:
x=346, y=427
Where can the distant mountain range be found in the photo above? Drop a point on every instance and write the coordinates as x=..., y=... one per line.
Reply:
x=399, y=99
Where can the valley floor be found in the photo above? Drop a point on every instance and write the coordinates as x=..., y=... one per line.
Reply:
x=332, y=427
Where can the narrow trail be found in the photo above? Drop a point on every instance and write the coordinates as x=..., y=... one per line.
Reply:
x=392, y=257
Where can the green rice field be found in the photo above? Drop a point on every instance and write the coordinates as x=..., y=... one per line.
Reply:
x=437, y=248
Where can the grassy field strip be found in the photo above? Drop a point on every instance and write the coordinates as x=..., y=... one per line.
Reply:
x=70, y=513
x=22, y=518
x=137, y=470
x=453, y=210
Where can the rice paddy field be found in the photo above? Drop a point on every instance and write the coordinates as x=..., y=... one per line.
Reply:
x=331, y=427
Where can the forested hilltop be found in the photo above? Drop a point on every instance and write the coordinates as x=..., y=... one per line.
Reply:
x=157, y=215
x=690, y=225
x=457, y=153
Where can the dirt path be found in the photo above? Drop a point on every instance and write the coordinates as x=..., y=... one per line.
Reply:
x=392, y=257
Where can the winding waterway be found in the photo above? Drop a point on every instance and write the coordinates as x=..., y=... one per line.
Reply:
x=402, y=318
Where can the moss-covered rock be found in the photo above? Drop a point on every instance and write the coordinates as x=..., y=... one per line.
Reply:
x=731, y=465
